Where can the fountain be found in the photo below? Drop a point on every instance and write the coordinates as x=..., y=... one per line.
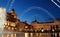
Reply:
x=2, y=18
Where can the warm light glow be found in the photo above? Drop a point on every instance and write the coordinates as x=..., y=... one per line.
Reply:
x=42, y=30
x=2, y=35
x=7, y=35
x=26, y=34
x=31, y=34
x=6, y=26
x=12, y=28
x=13, y=24
x=9, y=28
x=53, y=30
x=26, y=26
x=12, y=35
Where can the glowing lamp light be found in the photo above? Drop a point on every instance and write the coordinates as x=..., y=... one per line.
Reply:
x=2, y=17
x=26, y=26
x=53, y=30
x=42, y=30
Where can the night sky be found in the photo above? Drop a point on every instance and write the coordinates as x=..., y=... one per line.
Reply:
x=41, y=10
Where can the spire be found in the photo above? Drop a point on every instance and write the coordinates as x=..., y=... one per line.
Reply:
x=25, y=21
x=35, y=19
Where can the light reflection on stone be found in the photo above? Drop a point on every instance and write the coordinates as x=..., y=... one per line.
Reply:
x=31, y=34
x=28, y=35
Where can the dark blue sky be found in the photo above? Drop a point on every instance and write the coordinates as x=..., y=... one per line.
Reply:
x=41, y=10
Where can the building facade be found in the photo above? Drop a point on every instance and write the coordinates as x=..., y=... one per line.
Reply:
x=46, y=25
x=11, y=21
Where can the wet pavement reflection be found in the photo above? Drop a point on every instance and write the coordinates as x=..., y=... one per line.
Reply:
x=23, y=34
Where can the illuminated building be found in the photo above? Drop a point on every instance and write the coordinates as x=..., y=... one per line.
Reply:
x=13, y=23
x=11, y=20
x=20, y=26
x=46, y=25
